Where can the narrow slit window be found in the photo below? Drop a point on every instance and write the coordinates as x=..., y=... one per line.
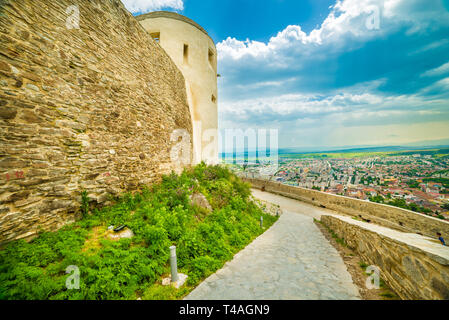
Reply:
x=211, y=57
x=214, y=99
x=156, y=36
x=186, y=53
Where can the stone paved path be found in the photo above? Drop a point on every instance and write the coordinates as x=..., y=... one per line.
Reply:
x=291, y=261
x=288, y=204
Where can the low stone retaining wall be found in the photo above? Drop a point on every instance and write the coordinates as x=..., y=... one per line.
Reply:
x=268, y=207
x=384, y=215
x=414, y=266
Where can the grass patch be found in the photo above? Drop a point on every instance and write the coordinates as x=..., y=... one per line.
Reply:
x=363, y=265
x=160, y=292
x=84, y=203
x=389, y=295
x=337, y=239
x=159, y=216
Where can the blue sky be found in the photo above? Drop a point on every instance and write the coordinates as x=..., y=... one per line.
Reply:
x=329, y=73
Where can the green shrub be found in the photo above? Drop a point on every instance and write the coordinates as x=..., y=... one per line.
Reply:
x=159, y=292
x=202, y=267
x=363, y=265
x=159, y=216
x=84, y=203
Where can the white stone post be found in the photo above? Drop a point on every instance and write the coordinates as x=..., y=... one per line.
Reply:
x=173, y=264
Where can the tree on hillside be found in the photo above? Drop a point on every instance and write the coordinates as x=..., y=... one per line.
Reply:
x=378, y=199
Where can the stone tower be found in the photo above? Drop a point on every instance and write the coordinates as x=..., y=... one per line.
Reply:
x=194, y=53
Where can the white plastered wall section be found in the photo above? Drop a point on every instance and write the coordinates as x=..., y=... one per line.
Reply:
x=200, y=73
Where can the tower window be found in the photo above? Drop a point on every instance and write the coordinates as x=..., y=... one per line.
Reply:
x=214, y=99
x=211, y=57
x=186, y=53
x=156, y=36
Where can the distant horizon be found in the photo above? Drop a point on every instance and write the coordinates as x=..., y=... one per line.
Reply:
x=366, y=147
x=302, y=150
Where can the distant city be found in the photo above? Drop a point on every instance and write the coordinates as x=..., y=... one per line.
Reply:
x=416, y=180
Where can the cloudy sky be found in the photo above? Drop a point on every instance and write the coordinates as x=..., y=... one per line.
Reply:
x=329, y=73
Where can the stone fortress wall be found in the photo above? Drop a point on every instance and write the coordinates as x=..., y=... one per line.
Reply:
x=383, y=215
x=89, y=108
x=194, y=52
x=415, y=267
x=401, y=243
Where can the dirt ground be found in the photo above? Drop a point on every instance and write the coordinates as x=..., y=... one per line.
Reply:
x=356, y=268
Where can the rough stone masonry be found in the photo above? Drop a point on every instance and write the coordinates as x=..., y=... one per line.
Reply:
x=89, y=108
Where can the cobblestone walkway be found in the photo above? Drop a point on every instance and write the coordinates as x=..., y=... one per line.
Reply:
x=291, y=261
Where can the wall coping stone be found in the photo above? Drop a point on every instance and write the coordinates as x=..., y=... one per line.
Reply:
x=430, y=246
x=172, y=15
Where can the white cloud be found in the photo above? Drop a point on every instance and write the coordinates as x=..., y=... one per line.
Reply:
x=296, y=105
x=349, y=23
x=431, y=46
x=144, y=6
x=348, y=108
x=441, y=88
x=437, y=71
x=266, y=84
x=342, y=20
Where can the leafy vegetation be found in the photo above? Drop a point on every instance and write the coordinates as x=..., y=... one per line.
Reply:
x=400, y=203
x=337, y=239
x=159, y=216
x=84, y=203
x=443, y=181
x=413, y=184
x=363, y=265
